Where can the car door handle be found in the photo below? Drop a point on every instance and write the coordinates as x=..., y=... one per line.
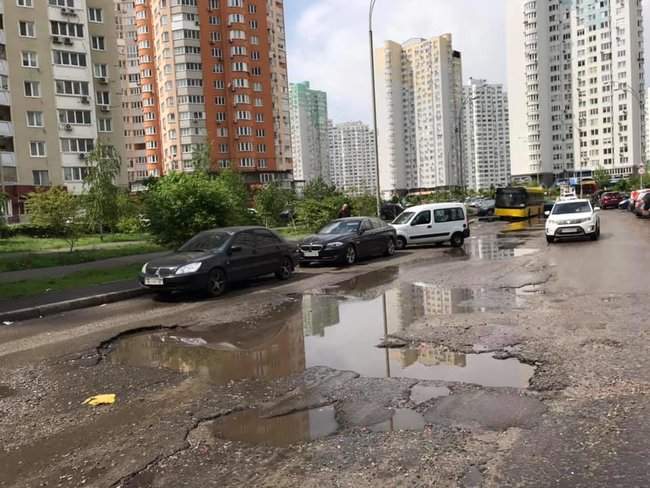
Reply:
x=428, y=226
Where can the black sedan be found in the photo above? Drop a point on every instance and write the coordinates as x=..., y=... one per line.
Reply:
x=212, y=259
x=346, y=240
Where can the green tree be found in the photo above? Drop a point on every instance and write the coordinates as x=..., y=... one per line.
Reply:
x=271, y=201
x=57, y=210
x=202, y=158
x=180, y=205
x=315, y=213
x=319, y=189
x=364, y=205
x=602, y=178
x=100, y=201
x=238, y=194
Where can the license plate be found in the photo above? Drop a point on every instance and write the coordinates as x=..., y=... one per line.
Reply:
x=568, y=231
x=310, y=254
x=153, y=281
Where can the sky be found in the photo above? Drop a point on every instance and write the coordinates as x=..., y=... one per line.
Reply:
x=327, y=42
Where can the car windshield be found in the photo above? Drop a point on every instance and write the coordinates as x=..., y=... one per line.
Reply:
x=205, y=241
x=404, y=218
x=571, y=208
x=511, y=199
x=341, y=227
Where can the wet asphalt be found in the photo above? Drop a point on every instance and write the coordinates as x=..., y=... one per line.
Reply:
x=508, y=362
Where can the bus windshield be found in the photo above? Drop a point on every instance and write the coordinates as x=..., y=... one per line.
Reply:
x=511, y=198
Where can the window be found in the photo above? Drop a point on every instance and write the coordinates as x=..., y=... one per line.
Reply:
x=76, y=117
x=66, y=29
x=95, y=15
x=423, y=218
x=62, y=3
x=103, y=98
x=25, y=3
x=246, y=240
x=37, y=149
x=26, y=29
x=69, y=58
x=40, y=178
x=4, y=82
x=100, y=70
x=448, y=215
x=98, y=43
x=266, y=238
x=105, y=125
x=34, y=119
x=76, y=145
x=29, y=59
x=75, y=173
x=32, y=89
x=70, y=87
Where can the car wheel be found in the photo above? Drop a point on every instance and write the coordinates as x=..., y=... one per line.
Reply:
x=550, y=239
x=595, y=235
x=286, y=270
x=350, y=256
x=390, y=247
x=457, y=240
x=400, y=243
x=217, y=283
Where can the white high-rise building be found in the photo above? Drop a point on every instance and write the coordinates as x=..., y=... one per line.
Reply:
x=352, y=157
x=486, y=138
x=576, y=87
x=309, y=132
x=419, y=91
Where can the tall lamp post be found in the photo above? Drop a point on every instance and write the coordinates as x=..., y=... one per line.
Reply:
x=624, y=88
x=459, y=131
x=374, y=104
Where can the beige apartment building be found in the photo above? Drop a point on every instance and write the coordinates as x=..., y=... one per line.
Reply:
x=60, y=92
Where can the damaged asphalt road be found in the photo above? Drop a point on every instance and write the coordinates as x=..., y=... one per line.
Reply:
x=506, y=363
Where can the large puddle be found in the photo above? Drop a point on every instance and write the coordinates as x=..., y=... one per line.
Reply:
x=341, y=333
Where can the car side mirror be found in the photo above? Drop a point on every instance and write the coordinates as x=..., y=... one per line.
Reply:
x=547, y=213
x=596, y=209
x=361, y=232
x=234, y=249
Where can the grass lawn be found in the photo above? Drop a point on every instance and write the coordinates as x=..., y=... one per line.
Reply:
x=34, y=244
x=81, y=279
x=47, y=260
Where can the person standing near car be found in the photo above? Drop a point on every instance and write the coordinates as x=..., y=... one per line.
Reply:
x=344, y=211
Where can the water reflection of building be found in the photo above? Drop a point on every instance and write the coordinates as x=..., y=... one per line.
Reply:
x=428, y=355
x=488, y=249
x=319, y=312
x=276, y=351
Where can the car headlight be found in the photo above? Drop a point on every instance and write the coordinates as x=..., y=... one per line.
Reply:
x=335, y=245
x=188, y=268
x=144, y=268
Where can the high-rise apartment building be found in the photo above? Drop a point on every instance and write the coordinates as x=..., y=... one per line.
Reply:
x=214, y=72
x=352, y=157
x=486, y=146
x=60, y=92
x=576, y=87
x=419, y=96
x=309, y=132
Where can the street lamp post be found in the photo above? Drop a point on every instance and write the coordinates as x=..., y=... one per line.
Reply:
x=459, y=131
x=624, y=88
x=374, y=104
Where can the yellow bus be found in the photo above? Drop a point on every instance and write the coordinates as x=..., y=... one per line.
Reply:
x=519, y=202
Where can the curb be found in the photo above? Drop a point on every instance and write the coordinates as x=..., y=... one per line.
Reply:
x=66, y=306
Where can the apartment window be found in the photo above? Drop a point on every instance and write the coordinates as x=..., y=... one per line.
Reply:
x=240, y=66
x=255, y=40
x=32, y=89
x=98, y=43
x=96, y=15
x=257, y=87
x=29, y=59
x=75, y=173
x=237, y=34
x=105, y=125
x=103, y=98
x=4, y=82
x=259, y=117
x=247, y=163
x=252, y=8
x=253, y=24
x=219, y=84
x=235, y=3
x=69, y=58
x=236, y=18
x=76, y=145
x=34, y=119
x=76, y=117
x=219, y=100
x=66, y=29
x=213, y=4
x=100, y=70
x=62, y=3
x=26, y=29
x=70, y=87
x=40, y=178
x=25, y=3
x=37, y=149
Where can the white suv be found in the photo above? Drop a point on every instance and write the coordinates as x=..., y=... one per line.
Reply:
x=572, y=218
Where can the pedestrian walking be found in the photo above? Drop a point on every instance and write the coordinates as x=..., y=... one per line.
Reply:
x=344, y=212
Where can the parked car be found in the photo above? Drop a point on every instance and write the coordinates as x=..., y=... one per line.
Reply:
x=635, y=195
x=625, y=204
x=390, y=210
x=639, y=202
x=610, y=199
x=643, y=210
x=213, y=259
x=347, y=240
x=573, y=218
x=432, y=223
x=485, y=207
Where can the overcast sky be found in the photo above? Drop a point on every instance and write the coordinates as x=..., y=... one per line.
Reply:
x=327, y=42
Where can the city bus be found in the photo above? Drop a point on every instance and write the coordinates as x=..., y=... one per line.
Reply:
x=519, y=202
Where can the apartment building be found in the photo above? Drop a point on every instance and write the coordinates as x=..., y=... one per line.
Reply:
x=486, y=137
x=206, y=76
x=577, y=89
x=309, y=136
x=352, y=157
x=59, y=93
x=419, y=98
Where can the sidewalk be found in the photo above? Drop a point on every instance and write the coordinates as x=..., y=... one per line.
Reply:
x=60, y=271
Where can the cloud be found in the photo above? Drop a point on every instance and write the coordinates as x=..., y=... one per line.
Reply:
x=328, y=43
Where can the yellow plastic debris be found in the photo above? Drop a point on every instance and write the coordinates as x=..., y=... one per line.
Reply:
x=106, y=399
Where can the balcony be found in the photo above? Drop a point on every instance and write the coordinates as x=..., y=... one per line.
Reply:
x=7, y=158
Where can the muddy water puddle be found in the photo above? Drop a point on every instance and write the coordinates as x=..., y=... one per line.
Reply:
x=326, y=330
x=493, y=249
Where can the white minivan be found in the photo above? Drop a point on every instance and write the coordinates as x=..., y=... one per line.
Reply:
x=431, y=223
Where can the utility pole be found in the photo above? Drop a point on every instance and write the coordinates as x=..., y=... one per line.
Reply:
x=374, y=104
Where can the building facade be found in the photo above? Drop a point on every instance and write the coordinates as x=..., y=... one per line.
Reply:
x=60, y=92
x=486, y=138
x=215, y=72
x=576, y=87
x=419, y=99
x=353, y=165
x=309, y=136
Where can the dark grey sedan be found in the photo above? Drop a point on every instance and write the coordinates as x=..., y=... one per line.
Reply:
x=212, y=259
